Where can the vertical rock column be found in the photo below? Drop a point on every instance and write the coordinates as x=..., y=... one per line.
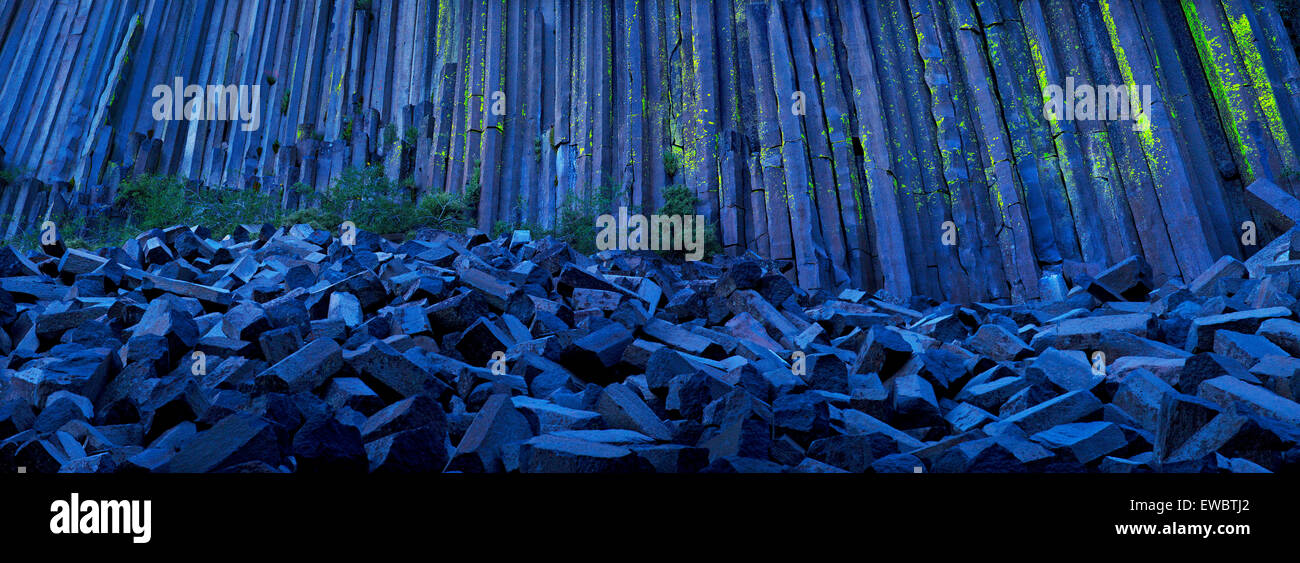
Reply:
x=877, y=159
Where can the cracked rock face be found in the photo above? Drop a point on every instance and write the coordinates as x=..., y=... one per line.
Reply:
x=505, y=360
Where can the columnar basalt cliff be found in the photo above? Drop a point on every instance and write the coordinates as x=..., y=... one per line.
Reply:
x=837, y=137
x=965, y=236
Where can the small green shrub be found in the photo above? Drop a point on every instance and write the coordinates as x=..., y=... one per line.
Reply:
x=90, y=233
x=443, y=210
x=308, y=131
x=474, y=185
x=11, y=174
x=411, y=135
x=363, y=195
x=284, y=102
x=222, y=210
x=346, y=132
x=370, y=200
x=390, y=134
x=153, y=201
x=680, y=200
x=672, y=162
x=311, y=216
x=577, y=221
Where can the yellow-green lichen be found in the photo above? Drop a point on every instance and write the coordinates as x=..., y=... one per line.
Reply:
x=1254, y=64
x=1218, y=67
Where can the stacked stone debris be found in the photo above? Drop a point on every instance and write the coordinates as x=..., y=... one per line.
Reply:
x=847, y=138
x=284, y=350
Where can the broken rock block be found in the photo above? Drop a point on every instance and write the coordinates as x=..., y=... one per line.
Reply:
x=915, y=404
x=417, y=450
x=1248, y=349
x=998, y=343
x=414, y=412
x=826, y=372
x=481, y=341
x=992, y=394
x=246, y=321
x=1130, y=279
x=689, y=394
x=1066, y=370
x=304, y=370
x=853, y=453
x=1141, y=395
x=743, y=437
x=1087, y=333
x=1200, y=336
x=1226, y=267
x=1231, y=394
x=1285, y=333
x=1206, y=366
x=1279, y=374
x=554, y=418
x=1167, y=369
x=965, y=417
x=683, y=339
x=802, y=416
x=882, y=352
x=387, y=369
x=1279, y=207
x=594, y=356
x=236, y=439
x=991, y=455
x=1180, y=417
x=279, y=344
x=549, y=453
x=622, y=408
x=325, y=445
x=740, y=464
x=1066, y=408
x=491, y=443
x=353, y=393
x=15, y=416
x=1085, y=441
x=898, y=463
x=672, y=458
